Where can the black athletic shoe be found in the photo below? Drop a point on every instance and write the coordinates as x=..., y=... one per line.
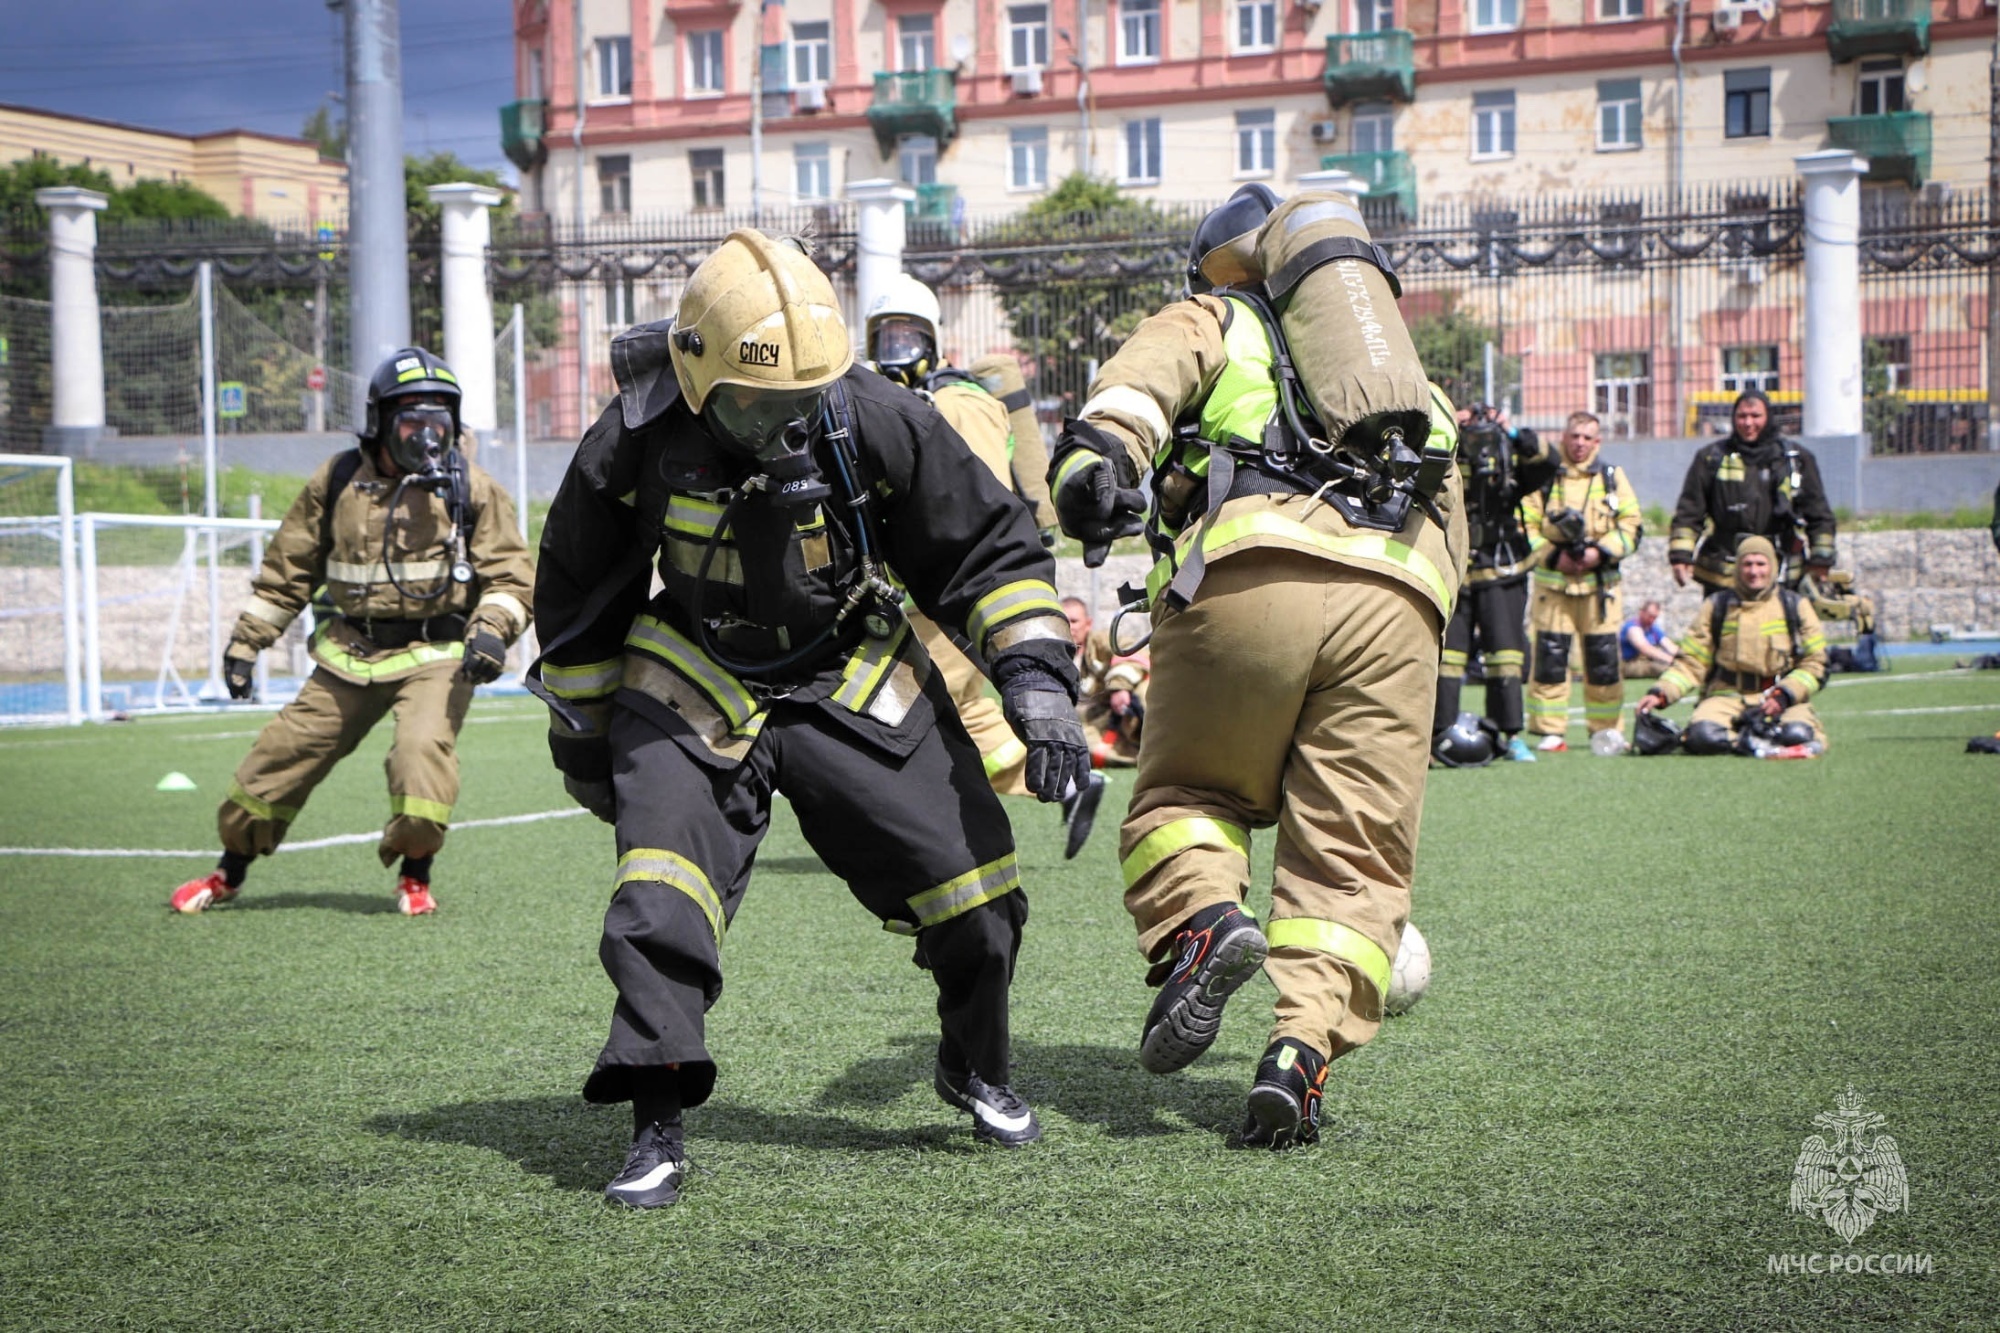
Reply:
x=1284, y=1101
x=653, y=1170
x=999, y=1115
x=1079, y=813
x=1216, y=951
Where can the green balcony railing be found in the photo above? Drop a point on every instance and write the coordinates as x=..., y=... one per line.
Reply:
x=1878, y=28
x=1897, y=145
x=923, y=101
x=933, y=203
x=1391, y=179
x=521, y=127
x=1368, y=66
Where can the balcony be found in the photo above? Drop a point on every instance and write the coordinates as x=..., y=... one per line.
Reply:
x=932, y=204
x=1897, y=145
x=1369, y=66
x=1878, y=28
x=1392, y=182
x=521, y=132
x=923, y=101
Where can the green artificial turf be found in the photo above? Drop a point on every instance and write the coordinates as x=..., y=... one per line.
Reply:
x=304, y=1111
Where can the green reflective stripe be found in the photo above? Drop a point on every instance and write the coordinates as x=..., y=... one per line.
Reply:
x=1813, y=643
x=1605, y=712
x=1697, y=650
x=1177, y=836
x=1075, y=461
x=1008, y=754
x=1330, y=937
x=866, y=667
x=664, y=867
x=418, y=808
x=657, y=638
x=696, y=518
x=1506, y=657
x=283, y=814
x=1007, y=602
x=1246, y=392
x=1804, y=684
x=1548, y=707
x=1680, y=682
x=956, y=896
x=1369, y=548
x=434, y=372
x=370, y=668
x=1452, y=657
x=583, y=682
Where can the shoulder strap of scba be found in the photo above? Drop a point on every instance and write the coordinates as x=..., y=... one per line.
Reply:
x=1726, y=599
x=463, y=513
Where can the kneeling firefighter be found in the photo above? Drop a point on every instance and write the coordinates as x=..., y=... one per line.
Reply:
x=1309, y=519
x=902, y=336
x=1757, y=654
x=419, y=581
x=790, y=500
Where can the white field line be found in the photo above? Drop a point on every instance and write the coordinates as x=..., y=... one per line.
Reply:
x=311, y=844
x=91, y=736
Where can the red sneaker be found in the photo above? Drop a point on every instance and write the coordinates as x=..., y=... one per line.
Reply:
x=197, y=894
x=413, y=897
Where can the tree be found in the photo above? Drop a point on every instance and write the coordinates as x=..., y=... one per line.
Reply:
x=1452, y=347
x=322, y=129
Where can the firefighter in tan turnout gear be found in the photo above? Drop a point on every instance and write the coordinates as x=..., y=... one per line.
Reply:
x=419, y=581
x=1581, y=526
x=1308, y=508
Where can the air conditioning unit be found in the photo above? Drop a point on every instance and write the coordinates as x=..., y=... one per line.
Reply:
x=810, y=97
x=1027, y=82
x=1324, y=131
x=1727, y=18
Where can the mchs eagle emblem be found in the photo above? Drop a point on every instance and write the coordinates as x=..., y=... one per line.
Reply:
x=1849, y=1183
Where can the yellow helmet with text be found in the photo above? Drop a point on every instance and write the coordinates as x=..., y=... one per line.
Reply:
x=759, y=314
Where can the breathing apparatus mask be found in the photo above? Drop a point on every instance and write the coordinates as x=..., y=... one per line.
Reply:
x=776, y=430
x=419, y=439
x=903, y=349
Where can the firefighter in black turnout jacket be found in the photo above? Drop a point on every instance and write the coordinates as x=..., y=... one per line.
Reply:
x=792, y=500
x=1499, y=467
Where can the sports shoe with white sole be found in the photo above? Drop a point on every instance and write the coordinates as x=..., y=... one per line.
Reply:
x=1285, y=1099
x=999, y=1114
x=1518, y=751
x=413, y=897
x=1216, y=951
x=1552, y=745
x=1080, y=814
x=653, y=1170
x=199, y=894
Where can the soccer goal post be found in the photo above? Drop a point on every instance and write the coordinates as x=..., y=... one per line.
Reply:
x=41, y=678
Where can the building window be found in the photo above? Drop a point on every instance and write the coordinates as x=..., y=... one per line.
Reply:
x=705, y=167
x=1746, y=103
x=1614, y=11
x=812, y=169
x=618, y=302
x=1256, y=25
x=535, y=74
x=1256, y=143
x=1747, y=368
x=812, y=55
x=1880, y=91
x=1138, y=32
x=1618, y=115
x=916, y=159
x=1493, y=125
x=1496, y=15
x=1885, y=365
x=916, y=42
x=1374, y=128
x=706, y=75
x=1623, y=393
x=1142, y=152
x=614, y=185
x=1027, y=36
x=614, y=67
x=1374, y=15
x=1028, y=158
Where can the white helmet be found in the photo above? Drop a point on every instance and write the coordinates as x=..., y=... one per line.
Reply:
x=902, y=330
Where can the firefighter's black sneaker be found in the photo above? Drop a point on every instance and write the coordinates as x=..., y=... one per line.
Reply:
x=1214, y=952
x=1285, y=1099
x=999, y=1115
x=653, y=1169
x=1079, y=810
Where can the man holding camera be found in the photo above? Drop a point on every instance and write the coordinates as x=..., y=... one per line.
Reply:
x=1581, y=526
x=423, y=582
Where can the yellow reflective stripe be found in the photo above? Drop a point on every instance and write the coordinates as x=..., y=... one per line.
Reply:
x=1452, y=657
x=416, y=807
x=283, y=814
x=865, y=668
x=664, y=867
x=1506, y=657
x=1177, y=836
x=1804, y=683
x=1245, y=393
x=419, y=372
x=1547, y=707
x=589, y=681
x=697, y=518
x=1676, y=680
x=270, y=613
x=957, y=896
x=1003, y=757
x=1073, y=462
x=368, y=668
x=1007, y=602
x=1683, y=539
x=657, y=638
x=1699, y=651
x=1137, y=406
x=406, y=571
x=1330, y=937
x=1369, y=548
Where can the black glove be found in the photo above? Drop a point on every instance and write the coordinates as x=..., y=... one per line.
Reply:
x=1527, y=442
x=1043, y=715
x=1049, y=536
x=1095, y=499
x=485, y=656
x=240, y=677
x=595, y=797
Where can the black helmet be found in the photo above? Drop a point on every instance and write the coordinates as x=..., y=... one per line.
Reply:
x=1653, y=734
x=406, y=374
x=1471, y=741
x=1224, y=249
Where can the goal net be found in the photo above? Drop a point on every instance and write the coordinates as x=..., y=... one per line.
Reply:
x=40, y=679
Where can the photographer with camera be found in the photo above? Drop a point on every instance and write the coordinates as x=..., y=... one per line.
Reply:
x=424, y=582
x=1500, y=468
x=1581, y=525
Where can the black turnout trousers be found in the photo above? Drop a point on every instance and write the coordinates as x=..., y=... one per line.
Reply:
x=1494, y=618
x=921, y=841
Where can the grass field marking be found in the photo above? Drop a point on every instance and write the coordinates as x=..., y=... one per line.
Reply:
x=1919, y=712
x=308, y=845
x=86, y=737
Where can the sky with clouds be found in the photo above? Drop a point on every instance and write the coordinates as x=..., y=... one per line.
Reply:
x=198, y=65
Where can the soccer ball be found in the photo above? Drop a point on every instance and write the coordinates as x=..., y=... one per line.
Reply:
x=1411, y=976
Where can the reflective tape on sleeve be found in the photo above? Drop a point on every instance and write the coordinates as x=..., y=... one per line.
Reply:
x=278, y=617
x=1179, y=835
x=660, y=866
x=1003, y=757
x=1008, y=602
x=1124, y=403
x=517, y=614
x=1330, y=937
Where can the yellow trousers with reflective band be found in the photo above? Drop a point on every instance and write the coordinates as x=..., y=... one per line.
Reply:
x=1001, y=752
x=1550, y=610
x=1293, y=692
x=312, y=733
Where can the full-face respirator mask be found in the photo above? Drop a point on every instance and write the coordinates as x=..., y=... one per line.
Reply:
x=777, y=431
x=420, y=438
